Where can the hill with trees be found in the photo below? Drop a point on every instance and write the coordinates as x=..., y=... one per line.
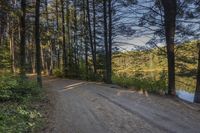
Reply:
x=151, y=64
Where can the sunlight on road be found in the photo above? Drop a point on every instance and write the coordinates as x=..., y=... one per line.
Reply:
x=124, y=91
x=73, y=86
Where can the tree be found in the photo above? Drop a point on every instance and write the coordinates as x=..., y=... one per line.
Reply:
x=107, y=12
x=110, y=42
x=37, y=42
x=90, y=36
x=57, y=34
x=94, y=37
x=22, y=38
x=170, y=13
x=63, y=40
x=197, y=91
x=105, y=40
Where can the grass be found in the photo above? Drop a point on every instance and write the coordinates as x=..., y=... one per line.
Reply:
x=18, y=113
x=148, y=84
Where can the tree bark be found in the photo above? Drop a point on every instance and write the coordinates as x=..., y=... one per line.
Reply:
x=109, y=80
x=90, y=36
x=33, y=59
x=37, y=42
x=57, y=35
x=170, y=11
x=197, y=92
x=85, y=39
x=94, y=37
x=75, y=40
x=69, y=48
x=2, y=22
x=12, y=51
x=63, y=40
x=22, y=38
x=106, y=40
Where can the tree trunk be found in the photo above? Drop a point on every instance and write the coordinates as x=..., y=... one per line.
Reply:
x=2, y=22
x=75, y=40
x=197, y=92
x=94, y=37
x=109, y=80
x=43, y=62
x=37, y=42
x=69, y=56
x=63, y=40
x=170, y=12
x=85, y=39
x=90, y=36
x=49, y=63
x=106, y=40
x=12, y=52
x=23, y=38
x=57, y=36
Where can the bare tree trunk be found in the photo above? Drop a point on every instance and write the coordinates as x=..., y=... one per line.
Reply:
x=69, y=56
x=197, y=92
x=51, y=58
x=37, y=42
x=106, y=40
x=57, y=35
x=75, y=39
x=90, y=36
x=63, y=40
x=109, y=80
x=23, y=38
x=12, y=51
x=43, y=62
x=85, y=39
x=94, y=37
x=33, y=62
x=170, y=27
x=2, y=23
x=49, y=63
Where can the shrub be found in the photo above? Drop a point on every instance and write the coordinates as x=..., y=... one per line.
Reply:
x=15, y=118
x=17, y=111
x=148, y=84
x=13, y=89
x=57, y=72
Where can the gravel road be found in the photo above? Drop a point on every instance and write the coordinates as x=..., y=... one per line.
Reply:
x=89, y=107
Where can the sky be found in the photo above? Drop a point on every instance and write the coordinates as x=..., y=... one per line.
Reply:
x=129, y=16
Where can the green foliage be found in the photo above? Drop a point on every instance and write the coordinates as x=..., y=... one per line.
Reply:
x=4, y=56
x=148, y=84
x=58, y=72
x=148, y=64
x=13, y=89
x=17, y=115
x=18, y=118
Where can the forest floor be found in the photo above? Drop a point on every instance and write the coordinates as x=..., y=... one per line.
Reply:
x=90, y=107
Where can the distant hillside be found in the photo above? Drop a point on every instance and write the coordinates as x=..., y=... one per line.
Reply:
x=150, y=63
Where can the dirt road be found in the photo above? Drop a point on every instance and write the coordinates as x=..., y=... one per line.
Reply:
x=86, y=107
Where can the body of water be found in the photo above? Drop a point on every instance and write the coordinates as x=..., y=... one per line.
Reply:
x=185, y=95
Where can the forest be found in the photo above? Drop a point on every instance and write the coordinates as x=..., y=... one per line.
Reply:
x=148, y=45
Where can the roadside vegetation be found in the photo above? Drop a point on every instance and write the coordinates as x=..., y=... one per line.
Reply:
x=147, y=69
x=19, y=111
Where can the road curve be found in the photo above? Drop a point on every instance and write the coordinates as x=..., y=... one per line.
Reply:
x=89, y=107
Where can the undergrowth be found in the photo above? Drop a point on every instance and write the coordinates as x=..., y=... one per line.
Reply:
x=17, y=111
x=139, y=83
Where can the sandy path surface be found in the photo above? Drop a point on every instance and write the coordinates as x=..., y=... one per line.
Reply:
x=88, y=107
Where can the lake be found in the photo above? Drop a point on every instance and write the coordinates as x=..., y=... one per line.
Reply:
x=184, y=95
